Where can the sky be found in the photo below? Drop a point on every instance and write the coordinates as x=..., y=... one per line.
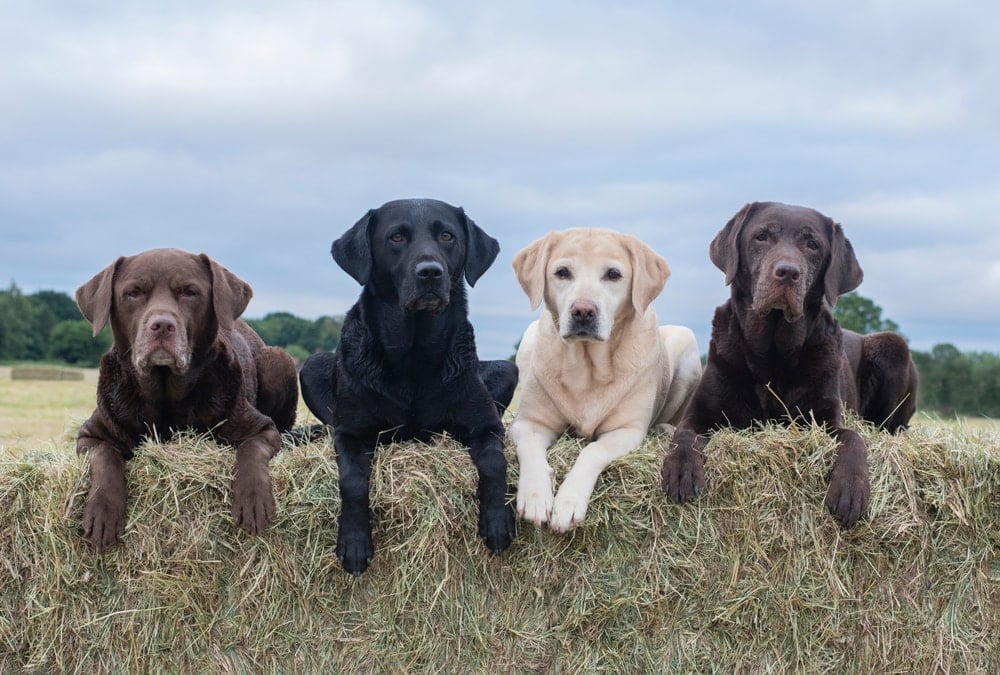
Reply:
x=258, y=132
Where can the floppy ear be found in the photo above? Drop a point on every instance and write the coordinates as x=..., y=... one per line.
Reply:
x=230, y=294
x=724, y=250
x=481, y=249
x=649, y=273
x=843, y=273
x=529, y=266
x=353, y=250
x=94, y=297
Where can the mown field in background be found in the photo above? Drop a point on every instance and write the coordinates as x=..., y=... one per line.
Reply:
x=753, y=577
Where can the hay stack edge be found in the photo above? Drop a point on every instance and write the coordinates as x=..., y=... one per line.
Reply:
x=753, y=576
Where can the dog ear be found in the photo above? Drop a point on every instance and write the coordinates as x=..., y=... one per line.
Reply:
x=353, y=250
x=649, y=273
x=94, y=297
x=843, y=272
x=481, y=249
x=230, y=294
x=725, y=248
x=529, y=266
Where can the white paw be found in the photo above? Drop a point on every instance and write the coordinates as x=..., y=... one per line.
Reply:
x=570, y=508
x=534, y=497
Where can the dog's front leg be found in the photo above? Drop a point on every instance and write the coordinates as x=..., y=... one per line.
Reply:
x=496, y=517
x=354, y=536
x=253, y=496
x=570, y=506
x=850, y=489
x=683, y=473
x=534, y=483
x=104, y=514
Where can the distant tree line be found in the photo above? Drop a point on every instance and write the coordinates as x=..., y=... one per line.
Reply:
x=47, y=326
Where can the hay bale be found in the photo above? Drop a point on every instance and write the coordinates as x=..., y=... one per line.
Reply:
x=754, y=576
x=45, y=373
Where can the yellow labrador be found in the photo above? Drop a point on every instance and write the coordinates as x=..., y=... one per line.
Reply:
x=596, y=363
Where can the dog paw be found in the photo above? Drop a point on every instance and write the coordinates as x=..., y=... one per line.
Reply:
x=103, y=521
x=569, y=509
x=496, y=527
x=848, y=495
x=355, y=549
x=253, y=502
x=683, y=475
x=534, y=499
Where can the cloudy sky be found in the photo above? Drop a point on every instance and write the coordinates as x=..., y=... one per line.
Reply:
x=259, y=131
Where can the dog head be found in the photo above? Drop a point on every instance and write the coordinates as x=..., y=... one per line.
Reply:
x=416, y=251
x=784, y=257
x=164, y=305
x=589, y=279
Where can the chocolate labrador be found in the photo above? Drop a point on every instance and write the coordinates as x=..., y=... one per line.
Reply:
x=181, y=359
x=776, y=350
x=406, y=366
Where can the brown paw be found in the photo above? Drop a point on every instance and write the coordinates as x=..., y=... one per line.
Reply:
x=848, y=495
x=103, y=521
x=683, y=475
x=253, y=500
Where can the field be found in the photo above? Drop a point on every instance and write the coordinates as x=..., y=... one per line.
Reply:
x=753, y=577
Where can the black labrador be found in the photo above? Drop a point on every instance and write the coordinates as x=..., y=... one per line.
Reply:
x=406, y=366
x=776, y=350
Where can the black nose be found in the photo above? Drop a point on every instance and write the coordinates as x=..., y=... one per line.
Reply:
x=788, y=272
x=429, y=270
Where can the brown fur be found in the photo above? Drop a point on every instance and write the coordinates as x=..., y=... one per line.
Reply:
x=181, y=358
x=776, y=351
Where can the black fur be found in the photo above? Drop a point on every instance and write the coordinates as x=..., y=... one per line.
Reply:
x=406, y=367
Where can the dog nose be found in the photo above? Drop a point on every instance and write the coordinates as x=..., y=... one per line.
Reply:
x=583, y=310
x=429, y=270
x=787, y=272
x=161, y=325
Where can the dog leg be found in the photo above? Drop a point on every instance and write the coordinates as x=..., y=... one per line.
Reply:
x=354, y=537
x=253, y=497
x=104, y=514
x=318, y=378
x=277, y=386
x=534, y=483
x=570, y=506
x=683, y=473
x=500, y=378
x=496, y=518
x=849, y=491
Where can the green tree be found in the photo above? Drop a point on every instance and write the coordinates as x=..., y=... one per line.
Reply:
x=72, y=342
x=62, y=306
x=860, y=314
x=24, y=325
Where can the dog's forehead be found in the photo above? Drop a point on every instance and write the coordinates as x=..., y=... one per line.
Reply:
x=590, y=246
x=416, y=211
x=786, y=215
x=163, y=264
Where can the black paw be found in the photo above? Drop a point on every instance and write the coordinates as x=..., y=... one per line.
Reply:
x=496, y=527
x=355, y=549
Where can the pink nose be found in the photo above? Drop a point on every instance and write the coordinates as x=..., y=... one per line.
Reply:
x=583, y=310
x=161, y=325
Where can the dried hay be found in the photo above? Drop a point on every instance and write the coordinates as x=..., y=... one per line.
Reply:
x=754, y=576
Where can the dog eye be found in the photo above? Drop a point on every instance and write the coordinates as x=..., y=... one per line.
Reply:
x=133, y=293
x=612, y=275
x=396, y=237
x=812, y=245
x=189, y=292
x=563, y=273
x=446, y=236
x=763, y=235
